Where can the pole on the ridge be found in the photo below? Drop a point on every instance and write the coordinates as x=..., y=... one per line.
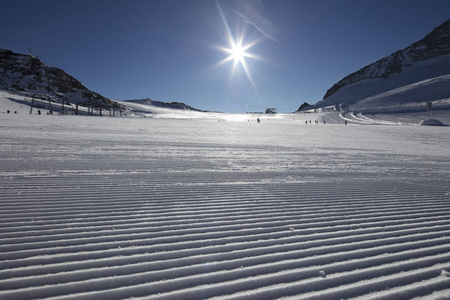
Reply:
x=429, y=108
x=32, y=102
x=50, y=104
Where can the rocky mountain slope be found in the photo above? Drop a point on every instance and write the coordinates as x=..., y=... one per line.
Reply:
x=424, y=60
x=26, y=73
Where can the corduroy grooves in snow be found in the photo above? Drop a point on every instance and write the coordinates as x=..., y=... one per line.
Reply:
x=116, y=208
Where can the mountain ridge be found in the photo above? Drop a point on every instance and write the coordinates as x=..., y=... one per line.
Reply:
x=173, y=104
x=26, y=73
x=432, y=49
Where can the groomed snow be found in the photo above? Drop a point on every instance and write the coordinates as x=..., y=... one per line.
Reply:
x=221, y=207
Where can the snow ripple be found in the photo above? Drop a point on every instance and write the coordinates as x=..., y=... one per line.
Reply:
x=156, y=234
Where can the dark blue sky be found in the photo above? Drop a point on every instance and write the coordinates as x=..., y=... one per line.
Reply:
x=169, y=50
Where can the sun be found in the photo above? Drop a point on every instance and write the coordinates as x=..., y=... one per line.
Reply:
x=237, y=49
x=238, y=52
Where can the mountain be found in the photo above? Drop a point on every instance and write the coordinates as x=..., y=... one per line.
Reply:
x=26, y=73
x=171, y=105
x=420, y=72
x=158, y=109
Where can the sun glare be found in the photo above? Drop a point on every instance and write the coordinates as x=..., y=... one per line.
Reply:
x=237, y=52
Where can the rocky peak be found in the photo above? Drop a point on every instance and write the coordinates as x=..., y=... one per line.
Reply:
x=435, y=44
x=27, y=73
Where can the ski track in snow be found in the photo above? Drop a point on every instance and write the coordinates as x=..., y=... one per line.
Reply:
x=114, y=208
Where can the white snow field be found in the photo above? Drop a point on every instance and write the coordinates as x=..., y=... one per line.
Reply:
x=194, y=208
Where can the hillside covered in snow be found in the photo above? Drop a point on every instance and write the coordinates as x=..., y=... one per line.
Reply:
x=418, y=73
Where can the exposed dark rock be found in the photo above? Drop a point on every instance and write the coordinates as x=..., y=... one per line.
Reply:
x=305, y=104
x=27, y=73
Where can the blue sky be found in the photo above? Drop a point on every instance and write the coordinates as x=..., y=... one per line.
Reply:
x=170, y=50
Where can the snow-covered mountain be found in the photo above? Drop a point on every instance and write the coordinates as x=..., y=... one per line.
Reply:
x=420, y=72
x=171, y=105
x=158, y=109
x=26, y=73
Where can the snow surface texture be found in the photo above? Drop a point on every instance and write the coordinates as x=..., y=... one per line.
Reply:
x=194, y=208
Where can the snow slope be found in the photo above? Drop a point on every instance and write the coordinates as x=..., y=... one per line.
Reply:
x=425, y=81
x=155, y=109
x=418, y=73
x=164, y=208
